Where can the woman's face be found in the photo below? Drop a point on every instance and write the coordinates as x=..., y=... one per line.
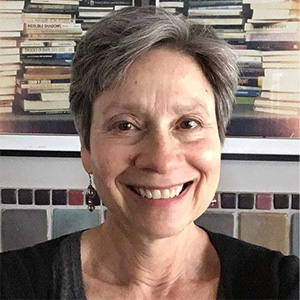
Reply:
x=154, y=145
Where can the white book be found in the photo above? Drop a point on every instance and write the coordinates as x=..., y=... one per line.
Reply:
x=12, y=5
x=118, y=7
x=171, y=4
x=96, y=14
x=7, y=97
x=7, y=43
x=7, y=81
x=280, y=96
x=10, y=67
x=45, y=50
x=282, y=58
x=281, y=65
x=91, y=8
x=280, y=53
x=265, y=1
x=47, y=43
x=244, y=58
x=28, y=105
x=62, y=96
x=65, y=2
x=6, y=34
x=9, y=51
x=248, y=52
x=46, y=16
x=260, y=101
x=277, y=111
x=11, y=24
x=10, y=15
x=9, y=59
x=279, y=83
x=7, y=90
x=214, y=12
x=216, y=21
x=8, y=73
x=273, y=26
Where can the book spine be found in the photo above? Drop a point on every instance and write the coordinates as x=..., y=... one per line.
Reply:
x=273, y=46
x=60, y=56
x=30, y=43
x=247, y=93
x=31, y=50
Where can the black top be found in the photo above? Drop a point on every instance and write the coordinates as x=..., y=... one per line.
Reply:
x=52, y=270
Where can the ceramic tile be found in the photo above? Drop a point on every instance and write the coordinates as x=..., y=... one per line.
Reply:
x=281, y=201
x=42, y=197
x=264, y=201
x=76, y=197
x=25, y=196
x=217, y=222
x=269, y=230
x=245, y=201
x=71, y=220
x=295, y=201
x=228, y=200
x=23, y=228
x=8, y=196
x=59, y=197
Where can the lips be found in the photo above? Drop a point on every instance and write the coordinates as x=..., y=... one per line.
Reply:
x=160, y=193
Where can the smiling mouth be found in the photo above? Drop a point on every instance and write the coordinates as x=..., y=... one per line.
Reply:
x=160, y=193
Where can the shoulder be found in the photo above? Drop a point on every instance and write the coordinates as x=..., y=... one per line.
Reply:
x=254, y=272
x=27, y=273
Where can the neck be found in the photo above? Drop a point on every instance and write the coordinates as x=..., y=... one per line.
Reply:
x=126, y=258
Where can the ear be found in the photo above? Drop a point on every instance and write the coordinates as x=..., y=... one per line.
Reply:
x=85, y=153
x=86, y=159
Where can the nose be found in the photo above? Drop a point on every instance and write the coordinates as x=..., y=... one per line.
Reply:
x=158, y=153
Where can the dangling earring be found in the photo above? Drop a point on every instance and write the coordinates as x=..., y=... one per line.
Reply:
x=90, y=195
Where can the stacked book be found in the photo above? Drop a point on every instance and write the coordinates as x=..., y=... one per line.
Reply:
x=172, y=6
x=47, y=46
x=274, y=30
x=250, y=80
x=227, y=17
x=281, y=83
x=91, y=11
x=10, y=31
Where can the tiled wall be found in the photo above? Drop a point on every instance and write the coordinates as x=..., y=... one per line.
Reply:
x=43, y=197
x=30, y=216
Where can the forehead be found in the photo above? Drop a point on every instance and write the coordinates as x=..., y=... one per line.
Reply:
x=161, y=76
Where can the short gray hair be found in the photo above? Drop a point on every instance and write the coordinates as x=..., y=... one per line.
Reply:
x=114, y=43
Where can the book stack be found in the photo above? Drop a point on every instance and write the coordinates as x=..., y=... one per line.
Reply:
x=250, y=80
x=10, y=31
x=172, y=6
x=91, y=11
x=47, y=47
x=281, y=88
x=274, y=30
x=227, y=17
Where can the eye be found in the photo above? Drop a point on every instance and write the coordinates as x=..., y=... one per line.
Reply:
x=124, y=126
x=189, y=124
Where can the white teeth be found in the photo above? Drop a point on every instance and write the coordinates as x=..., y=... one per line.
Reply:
x=142, y=192
x=178, y=190
x=165, y=194
x=159, y=194
x=148, y=194
x=173, y=193
x=156, y=194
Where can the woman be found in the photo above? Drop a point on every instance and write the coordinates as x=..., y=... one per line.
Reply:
x=152, y=95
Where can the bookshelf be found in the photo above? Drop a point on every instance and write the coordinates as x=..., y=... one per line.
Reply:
x=262, y=42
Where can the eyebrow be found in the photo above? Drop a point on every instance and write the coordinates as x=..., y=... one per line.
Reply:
x=178, y=108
